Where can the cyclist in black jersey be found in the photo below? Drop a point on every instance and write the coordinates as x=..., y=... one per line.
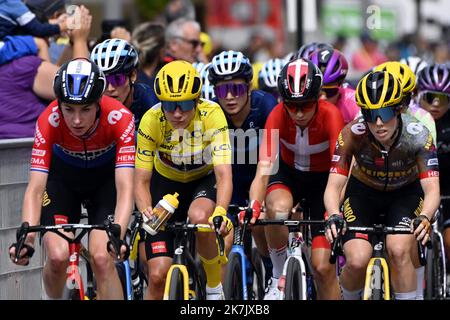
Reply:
x=394, y=181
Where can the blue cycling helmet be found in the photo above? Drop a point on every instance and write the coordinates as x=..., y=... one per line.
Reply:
x=79, y=81
x=115, y=56
x=229, y=65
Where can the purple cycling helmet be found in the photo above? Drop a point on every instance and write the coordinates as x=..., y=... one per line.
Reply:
x=308, y=48
x=332, y=63
x=435, y=77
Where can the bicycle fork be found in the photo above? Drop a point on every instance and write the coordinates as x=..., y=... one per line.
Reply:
x=74, y=281
x=294, y=252
x=377, y=275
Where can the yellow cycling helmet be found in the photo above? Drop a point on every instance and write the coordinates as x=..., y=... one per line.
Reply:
x=378, y=89
x=207, y=44
x=178, y=81
x=402, y=72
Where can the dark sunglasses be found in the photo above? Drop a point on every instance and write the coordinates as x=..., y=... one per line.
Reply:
x=117, y=80
x=195, y=43
x=429, y=97
x=331, y=92
x=171, y=106
x=385, y=114
x=303, y=106
x=236, y=89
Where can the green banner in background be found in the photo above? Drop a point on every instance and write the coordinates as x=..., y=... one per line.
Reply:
x=350, y=20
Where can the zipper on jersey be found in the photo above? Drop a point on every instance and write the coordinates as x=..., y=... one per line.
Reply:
x=385, y=156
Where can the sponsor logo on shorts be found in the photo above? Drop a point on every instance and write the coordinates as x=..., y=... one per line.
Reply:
x=159, y=247
x=60, y=219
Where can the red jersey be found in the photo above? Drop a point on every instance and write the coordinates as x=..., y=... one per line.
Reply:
x=112, y=136
x=308, y=149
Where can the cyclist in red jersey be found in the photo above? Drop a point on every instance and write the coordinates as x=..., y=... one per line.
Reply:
x=83, y=152
x=307, y=128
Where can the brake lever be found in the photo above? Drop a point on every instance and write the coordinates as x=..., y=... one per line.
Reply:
x=113, y=232
x=217, y=221
x=21, y=235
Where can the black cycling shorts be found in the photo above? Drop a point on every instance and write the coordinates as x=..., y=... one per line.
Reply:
x=162, y=244
x=68, y=187
x=364, y=206
x=303, y=185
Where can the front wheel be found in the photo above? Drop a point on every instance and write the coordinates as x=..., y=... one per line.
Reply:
x=294, y=285
x=176, y=286
x=258, y=279
x=233, y=278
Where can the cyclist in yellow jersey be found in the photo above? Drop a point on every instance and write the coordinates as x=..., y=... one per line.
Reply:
x=183, y=146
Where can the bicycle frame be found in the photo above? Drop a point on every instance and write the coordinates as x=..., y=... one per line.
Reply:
x=182, y=257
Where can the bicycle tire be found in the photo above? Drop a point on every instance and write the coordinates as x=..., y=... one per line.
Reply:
x=294, y=285
x=176, y=288
x=198, y=277
x=311, y=291
x=377, y=293
x=257, y=266
x=233, y=278
x=429, y=282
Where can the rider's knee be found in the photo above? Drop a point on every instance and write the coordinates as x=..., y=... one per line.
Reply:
x=157, y=278
x=399, y=254
x=199, y=215
x=278, y=208
x=57, y=257
x=323, y=270
x=101, y=261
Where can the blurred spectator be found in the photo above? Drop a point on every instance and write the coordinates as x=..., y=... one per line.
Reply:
x=207, y=48
x=368, y=55
x=148, y=39
x=176, y=9
x=27, y=85
x=183, y=40
x=259, y=45
x=441, y=53
x=393, y=52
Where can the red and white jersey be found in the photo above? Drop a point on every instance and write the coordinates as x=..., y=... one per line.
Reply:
x=112, y=136
x=308, y=149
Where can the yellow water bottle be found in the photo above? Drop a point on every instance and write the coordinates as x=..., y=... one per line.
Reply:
x=161, y=213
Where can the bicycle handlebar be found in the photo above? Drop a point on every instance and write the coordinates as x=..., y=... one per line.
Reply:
x=288, y=223
x=181, y=226
x=378, y=229
x=112, y=230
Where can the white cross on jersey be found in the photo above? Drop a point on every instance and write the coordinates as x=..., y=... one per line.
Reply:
x=303, y=150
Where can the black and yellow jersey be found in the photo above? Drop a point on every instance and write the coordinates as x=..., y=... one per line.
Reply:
x=188, y=154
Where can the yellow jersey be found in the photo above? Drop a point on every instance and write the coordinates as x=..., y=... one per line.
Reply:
x=188, y=154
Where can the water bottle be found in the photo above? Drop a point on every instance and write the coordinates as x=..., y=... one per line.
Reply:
x=161, y=213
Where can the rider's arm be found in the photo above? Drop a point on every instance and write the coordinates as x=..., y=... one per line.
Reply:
x=432, y=196
x=142, y=196
x=32, y=201
x=145, y=153
x=124, y=202
x=224, y=185
x=331, y=197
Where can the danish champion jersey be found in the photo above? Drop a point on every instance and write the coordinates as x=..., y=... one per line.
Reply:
x=111, y=137
x=308, y=149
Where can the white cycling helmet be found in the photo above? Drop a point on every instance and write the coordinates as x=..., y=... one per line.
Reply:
x=414, y=63
x=207, y=88
x=229, y=65
x=115, y=56
x=268, y=75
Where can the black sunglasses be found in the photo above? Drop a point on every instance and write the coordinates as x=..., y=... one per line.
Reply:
x=193, y=42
